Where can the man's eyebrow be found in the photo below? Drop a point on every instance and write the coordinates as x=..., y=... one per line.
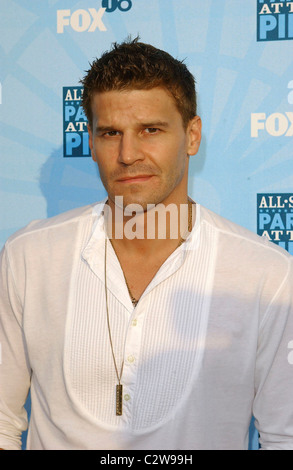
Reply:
x=151, y=124
x=104, y=129
x=155, y=124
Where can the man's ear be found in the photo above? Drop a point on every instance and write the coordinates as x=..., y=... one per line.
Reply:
x=194, y=135
x=91, y=142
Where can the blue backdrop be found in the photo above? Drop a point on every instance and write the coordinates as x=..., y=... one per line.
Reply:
x=242, y=57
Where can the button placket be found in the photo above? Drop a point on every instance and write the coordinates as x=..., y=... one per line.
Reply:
x=131, y=355
x=130, y=359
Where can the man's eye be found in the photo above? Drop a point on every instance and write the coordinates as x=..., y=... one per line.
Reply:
x=111, y=133
x=151, y=130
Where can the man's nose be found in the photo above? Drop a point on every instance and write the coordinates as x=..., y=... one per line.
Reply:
x=130, y=149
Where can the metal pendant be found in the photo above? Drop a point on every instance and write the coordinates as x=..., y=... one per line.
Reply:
x=119, y=390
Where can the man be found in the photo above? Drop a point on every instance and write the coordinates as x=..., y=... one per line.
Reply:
x=129, y=339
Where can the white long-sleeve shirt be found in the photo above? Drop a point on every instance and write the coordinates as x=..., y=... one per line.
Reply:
x=207, y=346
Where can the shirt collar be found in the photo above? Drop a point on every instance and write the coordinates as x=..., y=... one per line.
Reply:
x=94, y=255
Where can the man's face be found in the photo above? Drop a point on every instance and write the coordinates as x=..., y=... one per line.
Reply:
x=141, y=147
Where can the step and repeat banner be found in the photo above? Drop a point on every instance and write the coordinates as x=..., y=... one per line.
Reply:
x=241, y=54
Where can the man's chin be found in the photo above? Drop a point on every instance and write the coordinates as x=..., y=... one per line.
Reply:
x=132, y=204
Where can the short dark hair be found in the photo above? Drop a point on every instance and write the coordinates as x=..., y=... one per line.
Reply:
x=135, y=65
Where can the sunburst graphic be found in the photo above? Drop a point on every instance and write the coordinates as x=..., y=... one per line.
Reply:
x=236, y=76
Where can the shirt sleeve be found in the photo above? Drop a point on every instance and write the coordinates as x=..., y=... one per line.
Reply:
x=273, y=403
x=14, y=368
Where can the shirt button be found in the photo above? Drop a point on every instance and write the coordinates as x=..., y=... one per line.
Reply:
x=126, y=397
x=134, y=322
x=130, y=359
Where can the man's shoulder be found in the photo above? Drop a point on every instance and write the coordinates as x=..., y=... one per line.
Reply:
x=238, y=235
x=59, y=222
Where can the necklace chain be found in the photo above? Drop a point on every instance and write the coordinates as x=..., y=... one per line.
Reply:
x=119, y=387
x=182, y=239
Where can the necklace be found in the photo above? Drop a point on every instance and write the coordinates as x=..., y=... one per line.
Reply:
x=182, y=239
x=119, y=386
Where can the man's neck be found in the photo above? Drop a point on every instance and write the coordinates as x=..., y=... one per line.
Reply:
x=161, y=228
x=144, y=243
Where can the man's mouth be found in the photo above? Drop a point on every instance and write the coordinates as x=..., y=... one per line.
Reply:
x=134, y=179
